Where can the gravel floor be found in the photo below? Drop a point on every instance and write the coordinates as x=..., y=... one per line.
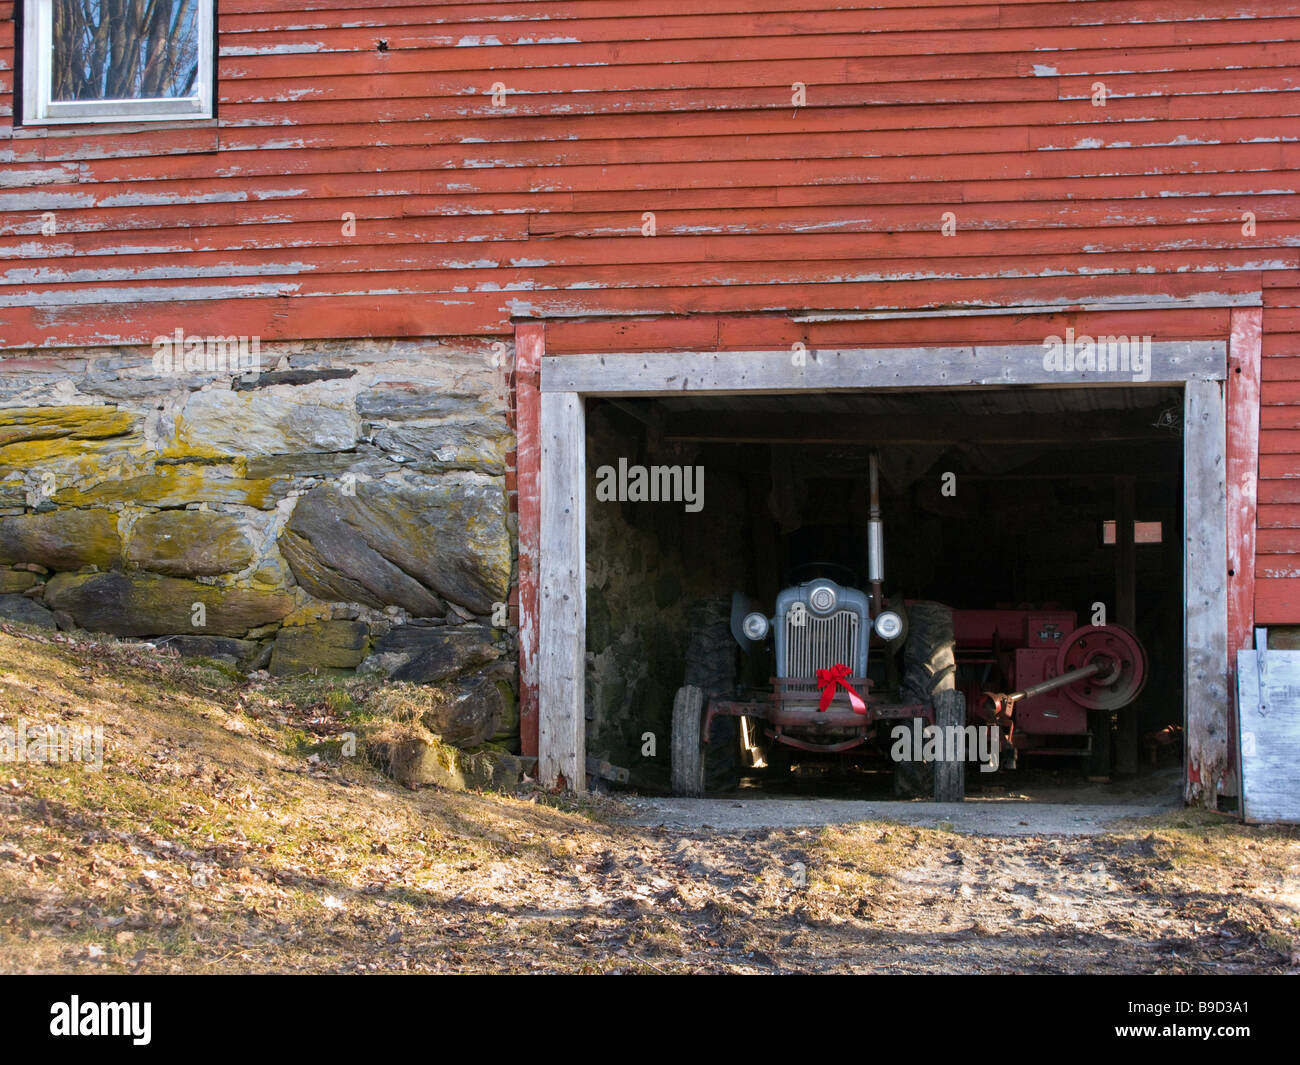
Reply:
x=990, y=817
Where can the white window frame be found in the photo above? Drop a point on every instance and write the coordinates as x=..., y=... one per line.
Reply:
x=39, y=109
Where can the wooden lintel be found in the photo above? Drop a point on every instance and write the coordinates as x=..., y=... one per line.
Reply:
x=862, y=369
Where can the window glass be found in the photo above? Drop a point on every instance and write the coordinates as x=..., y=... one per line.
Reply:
x=124, y=49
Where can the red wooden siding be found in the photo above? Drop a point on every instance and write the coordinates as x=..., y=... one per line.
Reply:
x=469, y=214
x=1277, y=559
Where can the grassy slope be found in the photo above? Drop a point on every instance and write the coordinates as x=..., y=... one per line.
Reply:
x=210, y=841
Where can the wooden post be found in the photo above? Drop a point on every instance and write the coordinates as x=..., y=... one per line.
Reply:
x=1204, y=568
x=1243, y=479
x=1126, y=745
x=530, y=345
x=563, y=635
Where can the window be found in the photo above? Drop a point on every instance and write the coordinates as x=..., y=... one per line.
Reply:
x=117, y=60
x=1144, y=532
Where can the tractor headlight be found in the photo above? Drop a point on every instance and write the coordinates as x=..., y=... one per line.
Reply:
x=755, y=626
x=822, y=598
x=889, y=626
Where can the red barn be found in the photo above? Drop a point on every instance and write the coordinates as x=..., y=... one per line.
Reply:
x=756, y=235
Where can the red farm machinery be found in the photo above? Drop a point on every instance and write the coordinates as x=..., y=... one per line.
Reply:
x=912, y=684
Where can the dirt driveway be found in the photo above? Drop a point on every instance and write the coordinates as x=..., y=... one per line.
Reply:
x=982, y=887
x=980, y=816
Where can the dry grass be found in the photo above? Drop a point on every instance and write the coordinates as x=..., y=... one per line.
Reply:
x=225, y=834
x=210, y=837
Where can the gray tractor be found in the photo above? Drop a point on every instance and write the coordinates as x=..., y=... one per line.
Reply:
x=826, y=637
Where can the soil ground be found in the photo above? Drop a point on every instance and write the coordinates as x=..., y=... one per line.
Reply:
x=215, y=838
x=973, y=817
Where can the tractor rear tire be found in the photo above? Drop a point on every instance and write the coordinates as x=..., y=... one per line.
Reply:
x=930, y=676
x=929, y=655
x=711, y=653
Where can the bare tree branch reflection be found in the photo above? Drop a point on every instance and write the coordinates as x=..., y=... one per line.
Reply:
x=124, y=49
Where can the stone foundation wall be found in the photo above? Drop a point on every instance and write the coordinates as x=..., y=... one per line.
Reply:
x=344, y=508
x=646, y=563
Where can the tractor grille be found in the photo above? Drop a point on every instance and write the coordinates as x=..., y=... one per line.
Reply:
x=820, y=643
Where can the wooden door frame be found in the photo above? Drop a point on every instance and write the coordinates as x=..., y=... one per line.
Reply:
x=552, y=478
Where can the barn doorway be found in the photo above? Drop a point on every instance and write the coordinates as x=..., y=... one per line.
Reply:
x=735, y=407
x=1003, y=504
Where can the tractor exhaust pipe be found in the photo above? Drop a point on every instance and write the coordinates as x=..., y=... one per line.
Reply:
x=875, y=540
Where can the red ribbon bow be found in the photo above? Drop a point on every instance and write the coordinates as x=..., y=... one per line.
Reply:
x=829, y=679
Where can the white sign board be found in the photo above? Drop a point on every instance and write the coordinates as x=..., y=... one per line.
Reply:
x=1268, y=694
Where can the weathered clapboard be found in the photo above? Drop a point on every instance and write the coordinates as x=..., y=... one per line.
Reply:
x=1268, y=693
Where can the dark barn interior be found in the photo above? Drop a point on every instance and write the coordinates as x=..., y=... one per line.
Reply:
x=991, y=498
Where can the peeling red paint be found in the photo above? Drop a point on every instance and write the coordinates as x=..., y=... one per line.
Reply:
x=530, y=345
x=470, y=216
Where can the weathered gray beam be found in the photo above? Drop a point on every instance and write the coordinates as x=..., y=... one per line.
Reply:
x=561, y=731
x=1205, y=625
x=842, y=370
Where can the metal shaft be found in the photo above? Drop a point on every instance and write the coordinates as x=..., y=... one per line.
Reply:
x=1052, y=683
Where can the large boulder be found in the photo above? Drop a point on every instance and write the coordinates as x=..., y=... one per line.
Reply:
x=25, y=611
x=428, y=654
x=174, y=485
x=465, y=713
x=409, y=543
x=143, y=605
x=411, y=756
x=242, y=654
x=32, y=435
x=470, y=444
x=276, y=421
x=324, y=646
x=61, y=539
x=189, y=543
x=14, y=581
x=471, y=713
x=395, y=401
